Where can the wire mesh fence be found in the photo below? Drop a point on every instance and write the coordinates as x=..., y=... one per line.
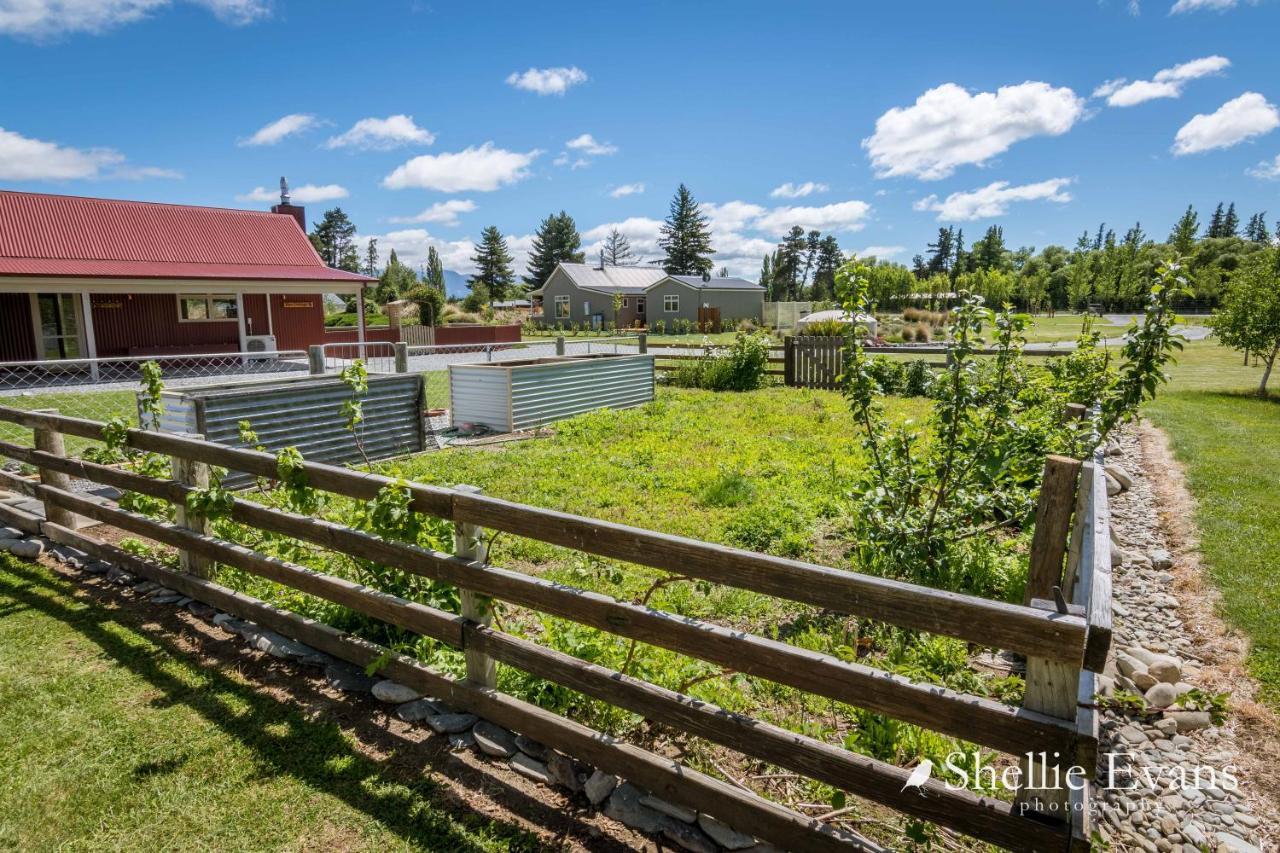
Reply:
x=105, y=388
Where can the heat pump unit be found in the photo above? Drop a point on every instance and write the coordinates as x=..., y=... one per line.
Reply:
x=260, y=343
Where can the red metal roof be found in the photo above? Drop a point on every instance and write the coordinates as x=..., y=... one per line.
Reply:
x=72, y=236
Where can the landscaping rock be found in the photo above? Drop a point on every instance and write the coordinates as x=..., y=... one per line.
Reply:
x=689, y=837
x=447, y=724
x=531, y=768
x=394, y=692
x=202, y=610
x=681, y=813
x=1161, y=559
x=459, y=741
x=418, y=710
x=564, y=770
x=1228, y=843
x=531, y=748
x=11, y=533
x=6, y=542
x=1113, y=486
x=725, y=835
x=1190, y=721
x=1129, y=665
x=347, y=678
x=168, y=597
x=495, y=740
x=598, y=786
x=625, y=807
x=1161, y=695
x=1165, y=668
x=1120, y=475
x=27, y=549
x=98, y=567
x=1144, y=680
x=280, y=646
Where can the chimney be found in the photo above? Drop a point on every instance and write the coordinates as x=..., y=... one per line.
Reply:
x=601, y=267
x=297, y=212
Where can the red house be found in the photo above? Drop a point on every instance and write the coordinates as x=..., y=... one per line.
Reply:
x=91, y=277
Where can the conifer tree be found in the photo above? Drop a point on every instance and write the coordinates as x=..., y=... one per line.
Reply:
x=824, y=272
x=371, y=257
x=335, y=239
x=1216, y=223
x=1256, y=230
x=617, y=249
x=941, y=252
x=493, y=276
x=556, y=241
x=685, y=237
x=435, y=270
x=1231, y=222
x=1183, y=236
x=766, y=278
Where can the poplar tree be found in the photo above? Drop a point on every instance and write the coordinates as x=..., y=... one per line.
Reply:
x=685, y=238
x=435, y=270
x=556, y=241
x=1183, y=236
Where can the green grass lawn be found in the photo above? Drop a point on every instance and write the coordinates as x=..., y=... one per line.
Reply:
x=116, y=739
x=1229, y=441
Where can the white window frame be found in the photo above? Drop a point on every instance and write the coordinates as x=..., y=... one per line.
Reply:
x=640, y=304
x=209, y=299
x=626, y=302
x=586, y=308
x=668, y=301
x=568, y=310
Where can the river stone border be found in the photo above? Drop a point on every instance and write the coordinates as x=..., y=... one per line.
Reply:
x=615, y=798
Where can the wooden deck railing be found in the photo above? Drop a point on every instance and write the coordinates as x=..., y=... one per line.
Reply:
x=1062, y=647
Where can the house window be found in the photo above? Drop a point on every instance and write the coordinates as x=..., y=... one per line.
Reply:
x=639, y=304
x=206, y=307
x=671, y=303
x=626, y=302
x=562, y=308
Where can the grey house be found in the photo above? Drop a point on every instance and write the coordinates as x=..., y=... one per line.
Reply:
x=583, y=294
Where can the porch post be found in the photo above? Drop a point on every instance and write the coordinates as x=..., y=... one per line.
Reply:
x=90, y=343
x=360, y=319
x=240, y=324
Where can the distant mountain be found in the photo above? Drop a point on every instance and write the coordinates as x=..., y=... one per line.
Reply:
x=455, y=284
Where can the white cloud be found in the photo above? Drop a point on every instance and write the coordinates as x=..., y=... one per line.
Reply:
x=1182, y=6
x=790, y=190
x=305, y=194
x=1267, y=170
x=411, y=245
x=641, y=231
x=841, y=216
x=41, y=19
x=881, y=252
x=23, y=158
x=480, y=169
x=382, y=134
x=547, y=81
x=731, y=215
x=1167, y=83
x=273, y=133
x=1235, y=121
x=992, y=200
x=587, y=144
x=627, y=189
x=443, y=212
x=947, y=127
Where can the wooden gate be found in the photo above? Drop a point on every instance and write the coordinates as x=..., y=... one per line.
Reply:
x=708, y=320
x=813, y=362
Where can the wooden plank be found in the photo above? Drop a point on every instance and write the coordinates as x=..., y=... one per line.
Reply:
x=969, y=618
x=1052, y=688
x=988, y=623
x=1096, y=581
x=49, y=440
x=987, y=819
x=973, y=718
x=1053, y=523
x=24, y=521
x=668, y=779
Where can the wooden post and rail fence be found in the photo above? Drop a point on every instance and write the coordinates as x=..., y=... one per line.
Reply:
x=1064, y=630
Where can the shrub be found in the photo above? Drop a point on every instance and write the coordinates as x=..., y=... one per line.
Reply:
x=746, y=325
x=911, y=315
x=890, y=375
x=430, y=304
x=740, y=367
x=827, y=329
x=917, y=379
x=923, y=334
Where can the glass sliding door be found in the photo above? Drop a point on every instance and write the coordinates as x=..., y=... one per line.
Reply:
x=58, y=316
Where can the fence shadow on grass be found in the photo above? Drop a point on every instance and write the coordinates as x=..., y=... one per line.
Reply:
x=312, y=751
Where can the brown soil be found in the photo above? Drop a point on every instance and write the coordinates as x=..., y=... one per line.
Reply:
x=1252, y=726
x=472, y=787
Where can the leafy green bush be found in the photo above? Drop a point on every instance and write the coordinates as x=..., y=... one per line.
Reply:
x=830, y=328
x=741, y=367
x=889, y=375
x=917, y=379
x=350, y=319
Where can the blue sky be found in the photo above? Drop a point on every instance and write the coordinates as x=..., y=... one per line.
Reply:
x=894, y=114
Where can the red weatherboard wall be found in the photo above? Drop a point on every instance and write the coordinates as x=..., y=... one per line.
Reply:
x=147, y=324
x=17, y=338
x=297, y=320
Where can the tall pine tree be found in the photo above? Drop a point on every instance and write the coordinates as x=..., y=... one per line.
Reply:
x=1216, y=223
x=941, y=252
x=617, y=250
x=1183, y=236
x=493, y=276
x=824, y=271
x=685, y=237
x=556, y=241
x=1231, y=222
x=335, y=239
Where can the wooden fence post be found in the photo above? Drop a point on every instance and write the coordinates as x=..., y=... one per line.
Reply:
x=1052, y=687
x=190, y=472
x=50, y=441
x=402, y=356
x=559, y=344
x=644, y=342
x=1053, y=524
x=468, y=543
x=315, y=358
x=789, y=360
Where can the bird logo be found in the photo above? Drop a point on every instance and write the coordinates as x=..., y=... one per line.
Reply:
x=919, y=776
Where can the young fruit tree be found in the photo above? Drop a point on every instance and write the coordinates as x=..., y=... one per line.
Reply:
x=1249, y=318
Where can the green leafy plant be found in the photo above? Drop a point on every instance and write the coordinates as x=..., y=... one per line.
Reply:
x=356, y=377
x=740, y=367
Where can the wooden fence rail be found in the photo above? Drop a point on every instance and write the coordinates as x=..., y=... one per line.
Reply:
x=818, y=362
x=1068, y=642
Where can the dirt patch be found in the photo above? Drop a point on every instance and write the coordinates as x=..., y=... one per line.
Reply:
x=1254, y=727
x=471, y=787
